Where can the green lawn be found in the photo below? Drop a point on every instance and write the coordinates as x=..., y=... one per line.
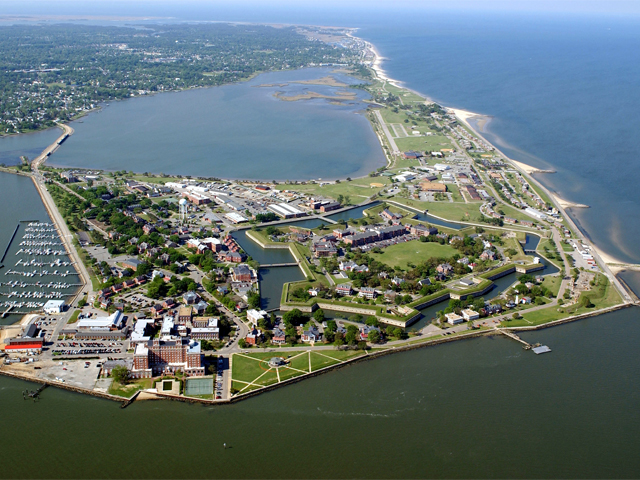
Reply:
x=421, y=143
x=248, y=369
x=357, y=190
x=552, y=283
x=74, y=317
x=467, y=212
x=319, y=360
x=131, y=388
x=413, y=252
x=343, y=354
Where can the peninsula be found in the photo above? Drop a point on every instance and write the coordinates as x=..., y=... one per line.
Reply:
x=450, y=240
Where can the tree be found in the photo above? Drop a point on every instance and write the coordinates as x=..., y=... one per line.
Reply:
x=318, y=315
x=374, y=336
x=120, y=374
x=397, y=332
x=242, y=343
x=372, y=321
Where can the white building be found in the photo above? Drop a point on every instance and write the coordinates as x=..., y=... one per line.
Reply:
x=54, y=306
x=286, y=210
x=469, y=314
x=453, y=318
x=101, y=324
x=441, y=167
x=254, y=315
x=236, y=217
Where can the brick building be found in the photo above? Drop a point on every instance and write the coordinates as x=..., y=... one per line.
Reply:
x=158, y=357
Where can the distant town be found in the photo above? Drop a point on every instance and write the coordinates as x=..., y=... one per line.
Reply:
x=171, y=303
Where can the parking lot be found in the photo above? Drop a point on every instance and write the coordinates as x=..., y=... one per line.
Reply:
x=77, y=373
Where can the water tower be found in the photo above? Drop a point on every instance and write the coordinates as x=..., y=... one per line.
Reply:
x=183, y=209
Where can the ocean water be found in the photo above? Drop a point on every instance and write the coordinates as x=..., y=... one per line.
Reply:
x=563, y=93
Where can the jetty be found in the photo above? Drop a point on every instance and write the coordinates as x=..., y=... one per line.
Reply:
x=536, y=347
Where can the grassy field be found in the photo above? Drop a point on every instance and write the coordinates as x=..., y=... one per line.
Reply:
x=432, y=143
x=413, y=252
x=131, y=388
x=251, y=371
x=552, y=283
x=357, y=190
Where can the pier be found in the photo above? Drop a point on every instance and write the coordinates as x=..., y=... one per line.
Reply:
x=536, y=347
x=10, y=242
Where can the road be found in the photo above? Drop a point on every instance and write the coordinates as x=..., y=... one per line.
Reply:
x=61, y=225
x=394, y=148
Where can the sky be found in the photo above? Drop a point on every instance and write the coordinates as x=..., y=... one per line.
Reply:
x=103, y=7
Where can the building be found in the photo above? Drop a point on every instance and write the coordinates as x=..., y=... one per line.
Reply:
x=286, y=210
x=311, y=335
x=190, y=298
x=254, y=336
x=254, y=316
x=324, y=249
x=433, y=187
x=389, y=215
x=30, y=342
x=210, y=332
x=184, y=315
x=101, y=324
x=368, y=292
x=329, y=207
x=141, y=331
x=454, y=318
x=278, y=337
x=132, y=263
x=344, y=289
x=469, y=314
x=242, y=273
x=422, y=230
x=54, y=306
x=159, y=357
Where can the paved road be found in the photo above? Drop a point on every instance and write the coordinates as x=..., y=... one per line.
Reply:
x=63, y=230
x=394, y=148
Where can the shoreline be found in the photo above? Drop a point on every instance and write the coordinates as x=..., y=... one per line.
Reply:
x=390, y=350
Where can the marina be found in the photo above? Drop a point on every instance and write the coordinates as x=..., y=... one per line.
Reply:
x=39, y=256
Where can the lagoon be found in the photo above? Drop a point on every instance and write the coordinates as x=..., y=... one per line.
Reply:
x=233, y=131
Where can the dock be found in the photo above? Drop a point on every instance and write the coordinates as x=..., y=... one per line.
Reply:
x=536, y=347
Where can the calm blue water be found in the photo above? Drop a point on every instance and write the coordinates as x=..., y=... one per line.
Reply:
x=233, y=131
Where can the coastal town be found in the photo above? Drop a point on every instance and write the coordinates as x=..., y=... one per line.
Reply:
x=450, y=239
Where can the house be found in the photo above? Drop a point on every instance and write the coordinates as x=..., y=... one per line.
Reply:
x=233, y=257
x=367, y=292
x=444, y=268
x=347, y=266
x=169, y=303
x=365, y=330
x=222, y=289
x=129, y=283
x=242, y=273
x=469, y=314
x=488, y=255
x=200, y=307
x=156, y=310
x=311, y=335
x=424, y=281
x=397, y=281
x=254, y=336
x=344, y=289
x=278, y=337
x=190, y=298
x=140, y=280
x=324, y=249
x=314, y=292
x=388, y=215
x=453, y=318
x=117, y=288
